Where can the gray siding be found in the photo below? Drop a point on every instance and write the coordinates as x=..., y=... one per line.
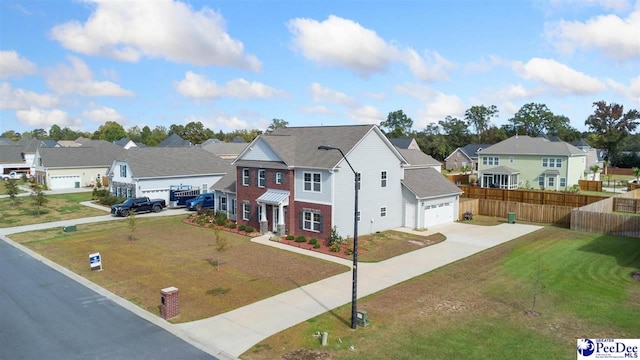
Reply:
x=260, y=151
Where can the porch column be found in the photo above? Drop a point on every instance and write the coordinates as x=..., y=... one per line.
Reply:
x=281, y=226
x=263, y=219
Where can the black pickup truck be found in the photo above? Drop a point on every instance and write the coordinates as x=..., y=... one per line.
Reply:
x=141, y=204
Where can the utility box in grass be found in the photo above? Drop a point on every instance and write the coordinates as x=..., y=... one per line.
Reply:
x=169, y=306
x=362, y=318
x=69, y=228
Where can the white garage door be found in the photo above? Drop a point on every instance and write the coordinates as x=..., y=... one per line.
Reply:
x=438, y=214
x=157, y=194
x=65, y=182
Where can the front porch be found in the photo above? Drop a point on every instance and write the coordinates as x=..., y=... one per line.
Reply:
x=500, y=177
x=272, y=210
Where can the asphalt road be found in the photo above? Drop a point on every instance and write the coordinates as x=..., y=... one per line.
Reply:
x=46, y=315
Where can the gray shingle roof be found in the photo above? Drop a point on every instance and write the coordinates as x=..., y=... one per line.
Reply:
x=298, y=146
x=174, y=140
x=224, y=149
x=504, y=170
x=401, y=143
x=11, y=154
x=416, y=157
x=98, y=155
x=525, y=145
x=227, y=183
x=122, y=142
x=5, y=141
x=427, y=182
x=471, y=150
x=148, y=162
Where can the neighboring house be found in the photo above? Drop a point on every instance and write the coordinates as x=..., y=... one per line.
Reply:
x=526, y=162
x=594, y=157
x=417, y=159
x=125, y=143
x=286, y=185
x=210, y=141
x=224, y=150
x=74, y=167
x=174, y=140
x=18, y=156
x=225, y=195
x=465, y=156
x=405, y=143
x=68, y=143
x=152, y=171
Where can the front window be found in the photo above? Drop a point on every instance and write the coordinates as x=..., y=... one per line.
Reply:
x=552, y=162
x=123, y=170
x=490, y=160
x=245, y=177
x=383, y=179
x=262, y=178
x=129, y=195
x=383, y=211
x=246, y=210
x=563, y=182
x=311, y=182
x=311, y=221
x=551, y=181
x=541, y=181
x=205, y=188
x=223, y=203
x=278, y=178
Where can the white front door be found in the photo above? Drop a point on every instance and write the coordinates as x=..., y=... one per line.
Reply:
x=410, y=216
x=274, y=226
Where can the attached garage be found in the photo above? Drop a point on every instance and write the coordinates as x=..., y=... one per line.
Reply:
x=157, y=194
x=64, y=182
x=437, y=214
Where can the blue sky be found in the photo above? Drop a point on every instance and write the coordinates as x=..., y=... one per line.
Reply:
x=240, y=64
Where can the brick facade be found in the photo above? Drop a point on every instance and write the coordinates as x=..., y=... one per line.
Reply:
x=325, y=211
x=169, y=306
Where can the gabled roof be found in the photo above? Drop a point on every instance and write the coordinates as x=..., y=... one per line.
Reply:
x=526, y=145
x=101, y=153
x=428, y=182
x=471, y=150
x=152, y=162
x=224, y=149
x=401, y=143
x=49, y=143
x=298, y=146
x=174, y=140
x=227, y=183
x=29, y=145
x=416, y=157
x=582, y=143
x=503, y=170
x=11, y=154
x=122, y=142
x=5, y=141
x=210, y=141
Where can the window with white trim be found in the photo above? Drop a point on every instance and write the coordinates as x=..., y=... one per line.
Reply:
x=129, y=194
x=490, y=160
x=205, y=188
x=278, y=178
x=383, y=179
x=223, y=203
x=541, y=181
x=563, y=182
x=311, y=181
x=262, y=178
x=123, y=170
x=510, y=159
x=245, y=177
x=551, y=181
x=311, y=221
x=552, y=162
x=383, y=211
x=246, y=210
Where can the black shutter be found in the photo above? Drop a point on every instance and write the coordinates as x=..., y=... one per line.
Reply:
x=301, y=220
x=321, y=223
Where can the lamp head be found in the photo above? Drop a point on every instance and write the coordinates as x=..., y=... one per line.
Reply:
x=326, y=147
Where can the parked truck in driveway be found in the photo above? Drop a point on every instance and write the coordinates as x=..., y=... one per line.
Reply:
x=12, y=176
x=140, y=204
x=203, y=201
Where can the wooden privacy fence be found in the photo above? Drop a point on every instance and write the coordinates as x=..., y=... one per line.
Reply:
x=590, y=185
x=468, y=205
x=599, y=217
x=547, y=214
x=530, y=197
x=458, y=179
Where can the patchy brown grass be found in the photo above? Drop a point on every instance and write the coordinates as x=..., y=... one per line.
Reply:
x=58, y=207
x=168, y=252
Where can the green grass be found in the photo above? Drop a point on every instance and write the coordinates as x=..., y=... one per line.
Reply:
x=477, y=308
x=58, y=207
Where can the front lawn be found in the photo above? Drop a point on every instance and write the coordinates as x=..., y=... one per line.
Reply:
x=58, y=207
x=166, y=252
x=483, y=307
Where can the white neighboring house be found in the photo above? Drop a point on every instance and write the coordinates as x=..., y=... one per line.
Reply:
x=74, y=167
x=152, y=171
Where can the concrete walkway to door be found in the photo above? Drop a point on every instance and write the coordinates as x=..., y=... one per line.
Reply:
x=237, y=331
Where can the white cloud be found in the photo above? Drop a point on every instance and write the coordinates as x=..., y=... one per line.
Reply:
x=197, y=86
x=559, y=77
x=12, y=64
x=129, y=30
x=417, y=91
x=366, y=115
x=612, y=35
x=320, y=109
x=19, y=99
x=225, y=122
x=615, y=5
x=101, y=114
x=431, y=67
x=341, y=42
x=632, y=92
x=78, y=79
x=40, y=118
x=441, y=106
x=320, y=93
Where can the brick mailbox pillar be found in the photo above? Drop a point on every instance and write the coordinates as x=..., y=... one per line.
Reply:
x=169, y=302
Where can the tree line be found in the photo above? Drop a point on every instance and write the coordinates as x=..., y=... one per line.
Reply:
x=610, y=128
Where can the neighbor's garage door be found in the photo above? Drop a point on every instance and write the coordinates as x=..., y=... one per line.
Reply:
x=438, y=214
x=157, y=194
x=65, y=182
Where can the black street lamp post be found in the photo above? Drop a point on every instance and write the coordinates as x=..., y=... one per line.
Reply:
x=354, y=285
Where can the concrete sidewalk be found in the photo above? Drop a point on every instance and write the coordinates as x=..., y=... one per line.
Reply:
x=237, y=331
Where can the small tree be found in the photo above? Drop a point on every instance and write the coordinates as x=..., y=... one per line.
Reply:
x=222, y=245
x=38, y=196
x=465, y=169
x=132, y=221
x=594, y=169
x=11, y=188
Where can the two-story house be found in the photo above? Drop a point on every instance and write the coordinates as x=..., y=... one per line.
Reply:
x=527, y=162
x=466, y=156
x=287, y=185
